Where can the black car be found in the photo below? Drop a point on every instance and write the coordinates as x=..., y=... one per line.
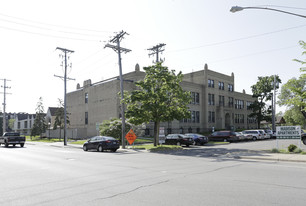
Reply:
x=101, y=143
x=198, y=138
x=179, y=139
x=303, y=137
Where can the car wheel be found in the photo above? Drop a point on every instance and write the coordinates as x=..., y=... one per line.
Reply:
x=14, y=145
x=85, y=148
x=100, y=148
x=304, y=140
x=22, y=144
x=114, y=150
x=254, y=138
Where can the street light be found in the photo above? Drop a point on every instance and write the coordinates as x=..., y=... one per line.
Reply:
x=239, y=8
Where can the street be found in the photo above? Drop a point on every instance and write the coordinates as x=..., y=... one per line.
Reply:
x=40, y=174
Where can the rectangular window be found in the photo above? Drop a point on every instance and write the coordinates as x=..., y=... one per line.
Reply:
x=211, y=83
x=193, y=113
x=18, y=125
x=86, y=117
x=197, y=98
x=192, y=97
x=221, y=100
x=211, y=117
x=211, y=99
x=25, y=124
x=230, y=101
x=230, y=88
x=86, y=98
x=221, y=85
x=197, y=117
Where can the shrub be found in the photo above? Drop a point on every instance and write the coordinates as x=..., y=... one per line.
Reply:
x=292, y=147
x=275, y=150
x=298, y=150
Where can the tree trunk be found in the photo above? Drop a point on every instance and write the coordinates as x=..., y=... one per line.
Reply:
x=156, y=133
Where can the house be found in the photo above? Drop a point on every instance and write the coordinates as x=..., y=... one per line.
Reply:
x=23, y=122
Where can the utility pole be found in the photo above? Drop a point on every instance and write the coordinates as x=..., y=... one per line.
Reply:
x=65, y=89
x=156, y=50
x=119, y=49
x=4, y=102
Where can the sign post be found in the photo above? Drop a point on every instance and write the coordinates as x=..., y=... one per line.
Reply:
x=162, y=137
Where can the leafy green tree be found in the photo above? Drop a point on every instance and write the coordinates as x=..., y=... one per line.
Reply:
x=296, y=88
x=293, y=95
x=159, y=98
x=293, y=116
x=59, y=120
x=262, y=91
x=113, y=128
x=39, y=125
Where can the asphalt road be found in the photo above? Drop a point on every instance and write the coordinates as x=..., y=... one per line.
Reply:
x=48, y=175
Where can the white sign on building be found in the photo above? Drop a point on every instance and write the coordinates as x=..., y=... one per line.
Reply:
x=288, y=132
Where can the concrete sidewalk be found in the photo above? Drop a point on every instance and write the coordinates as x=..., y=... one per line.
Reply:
x=255, y=155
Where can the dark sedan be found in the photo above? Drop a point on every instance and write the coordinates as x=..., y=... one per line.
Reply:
x=198, y=138
x=101, y=143
x=179, y=139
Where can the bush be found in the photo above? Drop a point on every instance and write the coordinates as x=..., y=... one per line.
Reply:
x=298, y=150
x=292, y=147
x=275, y=150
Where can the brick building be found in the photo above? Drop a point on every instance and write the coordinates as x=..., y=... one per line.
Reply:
x=214, y=103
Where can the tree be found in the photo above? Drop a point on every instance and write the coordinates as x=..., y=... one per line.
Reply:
x=39, y=125
x=293, y=95
x=113, y=128
x=262, y=91
x=60, y=117
x=159, y=98
x=296, y=89
x=293, y=116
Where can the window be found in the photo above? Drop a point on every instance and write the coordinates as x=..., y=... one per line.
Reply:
x=239, y=104
x=197, y=98
x=86, y=98
x=18, y=125
x=221, y=85
x=25, y=124
x=193, y=113
x=221, y=100
x=230, y=101
x=230, y=88
x=86, y=117
x=211, y=117
x=211, y=99
x=211, y=83
x=147, y=131
x=248, y=104
x=197, y=119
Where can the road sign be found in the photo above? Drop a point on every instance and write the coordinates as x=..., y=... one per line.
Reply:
x=288, y=132
x=130, y=136
x=162, y=137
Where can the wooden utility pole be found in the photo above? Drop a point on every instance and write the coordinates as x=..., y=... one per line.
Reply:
x=156, y=50
x=4, y=103
x=119, y=49
x=65, y=90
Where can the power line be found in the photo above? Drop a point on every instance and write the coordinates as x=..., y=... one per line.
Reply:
x=53, y=25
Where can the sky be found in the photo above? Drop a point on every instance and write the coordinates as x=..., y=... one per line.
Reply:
x=249, y=43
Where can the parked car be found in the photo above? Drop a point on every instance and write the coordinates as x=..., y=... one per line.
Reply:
x=269, y=133
x=255, y=134
x=264, y=134
x=101, y=143
x=198, y=138
x=226, y=136
x=243, y=137
x=179, y=139
x=303, y=136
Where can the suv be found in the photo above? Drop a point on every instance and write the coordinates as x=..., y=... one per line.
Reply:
x=255, y=134
x=179, y=139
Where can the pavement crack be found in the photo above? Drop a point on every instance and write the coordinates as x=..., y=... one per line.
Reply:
x=133, y=190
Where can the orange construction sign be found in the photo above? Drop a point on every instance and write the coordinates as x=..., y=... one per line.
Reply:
x=130, y=136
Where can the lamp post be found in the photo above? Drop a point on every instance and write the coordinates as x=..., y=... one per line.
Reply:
x=239, y=8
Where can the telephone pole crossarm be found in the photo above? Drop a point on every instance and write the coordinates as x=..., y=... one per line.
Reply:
x=156, y=50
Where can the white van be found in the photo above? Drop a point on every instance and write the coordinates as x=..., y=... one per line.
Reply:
x=256, y=134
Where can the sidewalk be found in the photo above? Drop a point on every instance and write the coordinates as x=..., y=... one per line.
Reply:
x=258, y=155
